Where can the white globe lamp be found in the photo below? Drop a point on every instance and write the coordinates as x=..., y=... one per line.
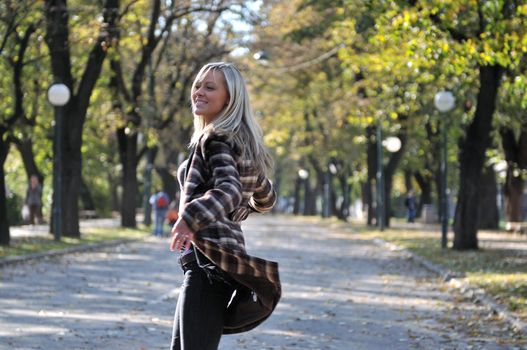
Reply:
x=392, y=144
x=444, y=101
x=58, y=94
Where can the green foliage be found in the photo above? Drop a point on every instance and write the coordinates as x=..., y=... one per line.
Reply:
x=14, y=209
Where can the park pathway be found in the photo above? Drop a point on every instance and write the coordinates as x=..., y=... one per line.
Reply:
x=339, y=292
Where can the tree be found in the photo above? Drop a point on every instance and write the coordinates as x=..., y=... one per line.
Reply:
x=130, y=100
x=19, y=25
x=512, y=129
x=455, y=45
x=58, y=41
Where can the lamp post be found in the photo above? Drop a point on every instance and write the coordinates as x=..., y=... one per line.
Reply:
x=261, y=56
x=392, y=144
x=501, y=169
x=444, y=101
x=331, y=170
x=303, y=174
x=58, y=96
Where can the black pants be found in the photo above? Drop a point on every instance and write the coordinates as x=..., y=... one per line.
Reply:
x=200, y=310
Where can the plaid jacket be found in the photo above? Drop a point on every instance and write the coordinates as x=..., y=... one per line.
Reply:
x=218, y=191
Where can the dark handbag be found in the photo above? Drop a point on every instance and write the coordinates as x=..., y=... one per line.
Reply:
x=244, y=312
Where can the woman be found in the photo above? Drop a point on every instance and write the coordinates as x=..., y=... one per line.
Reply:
x=221, y=183
x=34, y=200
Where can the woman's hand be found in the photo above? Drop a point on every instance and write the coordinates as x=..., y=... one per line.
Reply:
x=182, y=236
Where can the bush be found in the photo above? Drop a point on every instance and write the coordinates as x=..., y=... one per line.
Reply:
x=14, y=209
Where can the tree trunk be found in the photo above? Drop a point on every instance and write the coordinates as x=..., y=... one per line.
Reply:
x=408, y=180
x=472, y=158
x=425, y=184
x=488, y=205
x=128, y=156
x=71, y=184
x=57, y=39
x=332, y=196
x=25, y=148
x=296, y=205
x=513, y=195
x=114, y=184
x=4, y=223
x=169, y=183
x=515, y=150
x=438, y=186
x=372, y=170
x=309, y=199
x=389, y=172
x=9, y=119
x=343, y=213
x=86, y=196
x=277, y=185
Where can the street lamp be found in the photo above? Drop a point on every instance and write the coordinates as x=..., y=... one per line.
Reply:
x=58, y=95
x=262, y=57
x=392, y=144
x=501, y=169
x=331, y=170
x=444, y=101
x=303, y=174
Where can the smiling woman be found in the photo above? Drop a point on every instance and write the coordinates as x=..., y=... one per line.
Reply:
x=209, y=95
x=224, y=180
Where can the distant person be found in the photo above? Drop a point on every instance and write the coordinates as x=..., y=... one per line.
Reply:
x=173, y=211
x=34, y=200
x=410, y=205
x=160, y=203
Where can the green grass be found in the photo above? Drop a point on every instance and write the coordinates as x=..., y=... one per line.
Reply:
x=502, y=273
x=28, y=245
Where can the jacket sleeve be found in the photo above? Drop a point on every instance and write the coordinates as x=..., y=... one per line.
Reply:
x=226, y=193
x=264, y=197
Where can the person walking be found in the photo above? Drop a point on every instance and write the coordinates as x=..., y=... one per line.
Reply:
x=225, y=290
x=159, y=202
x=34, y=200
x=411, y=206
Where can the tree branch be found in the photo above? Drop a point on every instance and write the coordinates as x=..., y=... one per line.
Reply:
x=108, y=32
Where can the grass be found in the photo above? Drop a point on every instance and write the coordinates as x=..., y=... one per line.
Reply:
x=29, y=245
x=501, y=272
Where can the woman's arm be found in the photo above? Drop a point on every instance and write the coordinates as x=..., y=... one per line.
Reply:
x=264, y=197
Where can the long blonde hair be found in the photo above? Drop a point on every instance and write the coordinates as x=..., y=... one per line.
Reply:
x=235, y=120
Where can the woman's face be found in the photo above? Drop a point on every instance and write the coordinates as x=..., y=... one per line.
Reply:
x=209, y=95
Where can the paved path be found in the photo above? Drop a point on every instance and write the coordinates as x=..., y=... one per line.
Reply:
x=340, y=292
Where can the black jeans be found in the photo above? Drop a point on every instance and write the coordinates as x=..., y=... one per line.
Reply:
x=200, y=310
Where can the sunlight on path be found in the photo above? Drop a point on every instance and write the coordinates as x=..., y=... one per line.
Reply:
x=339, y=292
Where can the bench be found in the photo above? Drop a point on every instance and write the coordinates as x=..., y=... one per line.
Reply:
x=87, y=214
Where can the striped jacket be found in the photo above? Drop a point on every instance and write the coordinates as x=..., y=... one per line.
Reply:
x=218, y=191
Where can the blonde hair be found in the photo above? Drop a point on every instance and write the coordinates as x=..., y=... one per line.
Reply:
x=235, y=120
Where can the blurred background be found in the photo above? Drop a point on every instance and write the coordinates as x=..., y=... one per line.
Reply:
x=371, y=109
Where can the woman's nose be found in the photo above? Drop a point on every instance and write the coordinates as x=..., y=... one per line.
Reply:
x=199, y=92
